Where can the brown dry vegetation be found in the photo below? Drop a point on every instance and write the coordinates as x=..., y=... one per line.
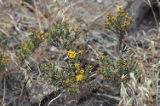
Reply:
x=22, y=82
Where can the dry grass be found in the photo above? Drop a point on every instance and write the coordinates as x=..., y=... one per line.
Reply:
x=16, y=21
x=144, y=90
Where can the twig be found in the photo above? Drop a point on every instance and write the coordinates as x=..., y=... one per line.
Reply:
x=39, y=72
x=56, y=98
x=154, y=15
x=69, y=102
x=158, y=6
x=110, y=97
x=4, y=91
x=1, y=30
x=120, y=42
x=37, y=16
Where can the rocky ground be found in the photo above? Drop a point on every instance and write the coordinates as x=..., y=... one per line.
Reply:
x=26, y=86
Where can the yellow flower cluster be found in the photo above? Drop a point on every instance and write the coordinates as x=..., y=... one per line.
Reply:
x=121, y=21
x=72, y=54
x=76, y=65
x=127, y=20
x=119, y=7
x=82, y=71
x=26, y=48
x=81, y=52
x=79, y=77
x=27, y=45
x=40, y=35
x=79, y=72
x=127, y=23
x=109, y=17
x=131, y=19
x=121, y=14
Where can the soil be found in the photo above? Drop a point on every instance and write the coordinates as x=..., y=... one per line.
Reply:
x=28, y=87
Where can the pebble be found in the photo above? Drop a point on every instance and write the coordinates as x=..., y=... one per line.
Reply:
x=53, y=49
x=99, y=1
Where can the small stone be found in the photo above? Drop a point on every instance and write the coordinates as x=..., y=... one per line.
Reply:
x=92, y=59
x=53, y=49
x=99, y=1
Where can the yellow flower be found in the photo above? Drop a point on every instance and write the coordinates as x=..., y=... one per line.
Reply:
x=42, y=36
x=79, y=77
x=81, y=52
x=128, y=24
x=125, y=22
x=26, y=48
x=71, y=54
x=121, y=11
x=122, y=26
x=82, y=71
x=76, y=65
x=119, y=8
x=126, y=16
x=131, y=19
x=109, y=15
x=67, y=81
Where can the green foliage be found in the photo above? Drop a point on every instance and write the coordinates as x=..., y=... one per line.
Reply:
x=118, y=23
x=115, y=69
x=29, y=47
x=25, y=50
x=3, y=62
x=37, y=38
x=3, y=43
x=72, y=76
x=61, y=36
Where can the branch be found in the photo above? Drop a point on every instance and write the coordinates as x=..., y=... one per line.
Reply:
x=56, y=98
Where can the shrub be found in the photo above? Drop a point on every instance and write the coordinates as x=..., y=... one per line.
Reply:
x=114, y=69
x=72, y=76
x=118, y=24
x=37, y=38
x=60, y=35
x=30, y=46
